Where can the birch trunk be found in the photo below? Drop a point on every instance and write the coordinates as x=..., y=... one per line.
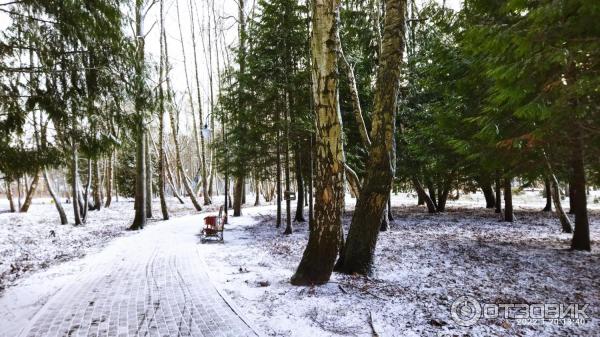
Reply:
x=203, y=171
x=189, y=87
x=353, y=180
x=149, y=177
x=74, y=183
x=424, y=196
x=179, y=164
x=161, y=120
x=565, y=222
x=360, y=243
x=355, y=98
x=30, y=193
x=324, y=238
x=56, y=198
x=299, y=217
x=171, y=179
x=9, y=196
x=86, y=192
x=288, y=202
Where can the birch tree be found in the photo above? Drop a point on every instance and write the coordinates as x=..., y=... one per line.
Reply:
x=325, y=234
x=358, y=252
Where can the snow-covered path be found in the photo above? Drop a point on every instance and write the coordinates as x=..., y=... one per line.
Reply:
x=150, y=284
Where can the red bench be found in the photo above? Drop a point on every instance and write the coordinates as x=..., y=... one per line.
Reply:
x=213, y=227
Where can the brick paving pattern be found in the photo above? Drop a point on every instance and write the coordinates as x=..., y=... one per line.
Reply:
x=156, y=288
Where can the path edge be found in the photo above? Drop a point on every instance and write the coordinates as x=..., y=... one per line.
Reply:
x=228, y=300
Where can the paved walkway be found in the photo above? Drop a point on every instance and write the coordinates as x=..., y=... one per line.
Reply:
x=148, y=284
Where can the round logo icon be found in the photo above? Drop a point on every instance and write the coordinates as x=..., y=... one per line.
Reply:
x=465, y=310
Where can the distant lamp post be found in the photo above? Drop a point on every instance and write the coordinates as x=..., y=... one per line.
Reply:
x=206, y=131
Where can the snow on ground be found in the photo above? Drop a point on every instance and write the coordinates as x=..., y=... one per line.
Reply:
x=35, y=240
x=424, y=263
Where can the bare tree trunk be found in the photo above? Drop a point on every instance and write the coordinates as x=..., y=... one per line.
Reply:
x=140, y=163
x=102, y=182
x=171, y=180
x=299, y=217
x=571, y=197
x=80, y=200
x=30, y=193
x=161, y=120
x=238, y=190
x=57, y=202
x=244, y=193
x=508, y=206
x=498, y=206
x=204, y=184
x=423, y=195
x=229, y=194
x=184, y=179
x=189, y=89
x=140, y=180
x=149, y=178
x=86, y=192
x=256, y=191
x=565, y=222
x=97, y=186
x=353, y=180
x=218, y=61
x=109, y=179
x=355, y=98
x=9, y=196
x=19, y=192
x=179, y=162
x=488, y=193
x=581, y=236
x=74, y=183
x=385, y=221
x=444, y=191
x=548, y=194
x=370, y=208
x=324, y=238
x=431, y=191
x=390, y=214
x=288, y=202
x=420, y=199
x=278, y=180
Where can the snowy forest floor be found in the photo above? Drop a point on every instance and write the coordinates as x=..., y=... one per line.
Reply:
x=423, y=264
